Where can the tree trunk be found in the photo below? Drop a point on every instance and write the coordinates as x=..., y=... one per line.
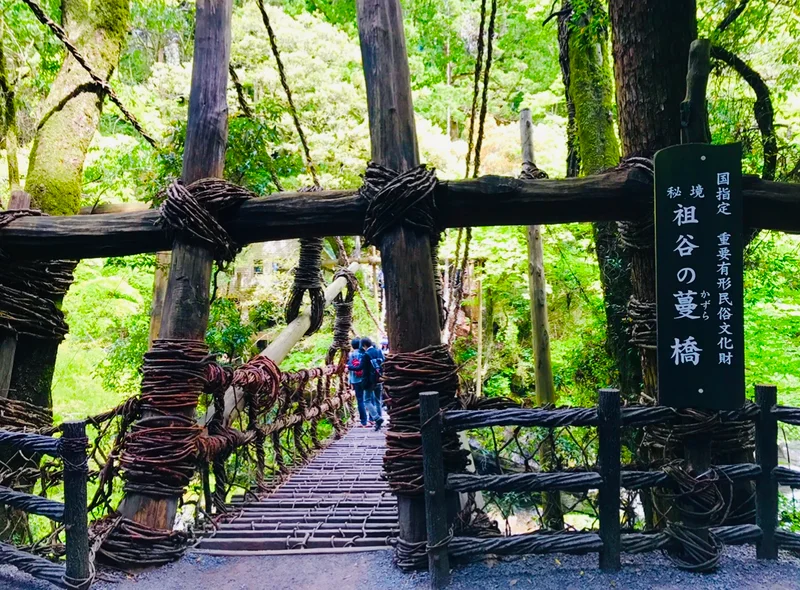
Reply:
x=591, y=90
x=412, y=308
x=186, y=302
x=70, y=118
x=651, y=41
x=9, y=116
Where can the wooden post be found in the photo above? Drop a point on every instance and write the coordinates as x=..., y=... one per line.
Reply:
x=160, y=280
x=694, y=129
x=412, y=311
x=608, y=435
x=479, y=368
x=767, y=458
x=76, y=520
x=186, y=304
x=694, y=116
x=8, y=340
x=435, y=503
x=553, y=516
x=545, y=390
x=375, y=288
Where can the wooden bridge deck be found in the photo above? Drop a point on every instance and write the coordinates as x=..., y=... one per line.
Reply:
x=336, y=503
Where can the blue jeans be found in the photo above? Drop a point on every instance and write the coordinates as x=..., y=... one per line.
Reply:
x=372, y=401
x=362, y=411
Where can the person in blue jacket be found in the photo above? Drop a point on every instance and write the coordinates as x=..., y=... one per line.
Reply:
x=373, y=389
x=356, y=373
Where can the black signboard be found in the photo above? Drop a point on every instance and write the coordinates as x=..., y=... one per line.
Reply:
x=698, y=216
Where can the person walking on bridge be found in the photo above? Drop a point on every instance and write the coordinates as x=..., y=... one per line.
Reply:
x=355, y=370
x=373, y=389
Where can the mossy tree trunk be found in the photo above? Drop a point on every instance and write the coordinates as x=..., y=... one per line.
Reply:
x=70, y=117
x=591, y=90
x=650, y=43
x=9, y=109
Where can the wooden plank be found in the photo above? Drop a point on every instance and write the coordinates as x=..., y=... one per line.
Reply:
x=435, y=505
x=186, y=303
x=488, y=201
x=76, y=520
x=766, y=484
x=411, y=307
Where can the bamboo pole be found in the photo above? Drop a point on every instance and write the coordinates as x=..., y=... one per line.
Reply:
x=279, y=349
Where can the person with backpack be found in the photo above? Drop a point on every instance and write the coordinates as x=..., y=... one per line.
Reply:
x=373, y=389
x=356, y=373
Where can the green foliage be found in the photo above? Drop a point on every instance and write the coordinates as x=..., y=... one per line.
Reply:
x=264, y=315
x=108, y=307
x=788, y=513
x=227, y=334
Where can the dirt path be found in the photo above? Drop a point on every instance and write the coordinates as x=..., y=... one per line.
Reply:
x=374, y=571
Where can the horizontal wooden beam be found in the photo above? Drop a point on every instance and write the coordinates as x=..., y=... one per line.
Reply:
x=487, y=201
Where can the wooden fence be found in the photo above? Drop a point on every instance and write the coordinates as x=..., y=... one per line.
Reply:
x=78, y=573
x=608, y=478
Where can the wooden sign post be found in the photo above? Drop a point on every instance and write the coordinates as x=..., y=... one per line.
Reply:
x=699, y=276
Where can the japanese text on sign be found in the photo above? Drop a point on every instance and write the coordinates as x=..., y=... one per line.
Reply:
x=699, y=276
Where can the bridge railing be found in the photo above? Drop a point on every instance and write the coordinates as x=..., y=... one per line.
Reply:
x=607, y=477
x=77, y=573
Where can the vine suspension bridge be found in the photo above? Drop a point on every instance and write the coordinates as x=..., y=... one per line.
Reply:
x=263, y=427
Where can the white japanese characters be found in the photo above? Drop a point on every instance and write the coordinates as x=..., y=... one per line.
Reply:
x=725, y=310
x=698, y=224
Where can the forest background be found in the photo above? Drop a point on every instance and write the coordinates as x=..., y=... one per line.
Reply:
x=108, y=306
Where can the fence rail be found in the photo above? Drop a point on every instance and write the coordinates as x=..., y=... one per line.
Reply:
x=76, y=573
x=608, y=477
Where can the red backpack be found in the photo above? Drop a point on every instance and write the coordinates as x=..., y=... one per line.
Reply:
x=356, y=363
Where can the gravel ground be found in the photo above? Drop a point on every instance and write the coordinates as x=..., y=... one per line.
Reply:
x=374, y=571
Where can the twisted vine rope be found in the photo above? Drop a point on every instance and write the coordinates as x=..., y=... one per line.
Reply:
x=30, y=290
x=406, y=375
x=405, y=199
x=191, y=212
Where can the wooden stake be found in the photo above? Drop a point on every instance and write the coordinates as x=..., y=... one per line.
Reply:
x=608, y=433
x=435, y=504
x=412, y=315
x=767, y=458
x=186, y=304
x=75, y=516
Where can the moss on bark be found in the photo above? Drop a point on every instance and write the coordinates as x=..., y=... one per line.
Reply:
x=591, y=90
x=72, y=109
x=71, y=115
